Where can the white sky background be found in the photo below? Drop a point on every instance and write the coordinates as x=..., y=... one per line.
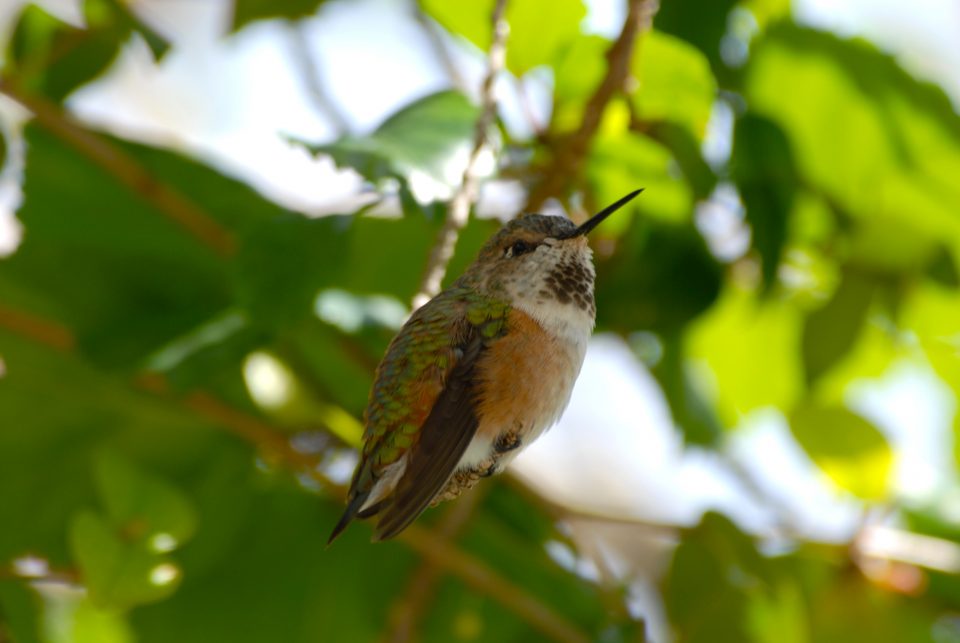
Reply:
x=615, y=449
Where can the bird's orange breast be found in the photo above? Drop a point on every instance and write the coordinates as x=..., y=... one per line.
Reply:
x=526, y=378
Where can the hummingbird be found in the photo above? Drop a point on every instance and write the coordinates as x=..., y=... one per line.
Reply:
x=478, y=372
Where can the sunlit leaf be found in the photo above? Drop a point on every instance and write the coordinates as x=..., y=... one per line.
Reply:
x=619, y=162
x=421, y=137
x=745, y=352
x=847, y=448
x=539, y=29
x=674, y=82
x=119, y=573
x=884, y=147
x=70, y=616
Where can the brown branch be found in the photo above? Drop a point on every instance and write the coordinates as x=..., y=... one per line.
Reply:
x=565, y=167
x=126, y=170
x=479, y=576
x=37, y=329
x=467, y=192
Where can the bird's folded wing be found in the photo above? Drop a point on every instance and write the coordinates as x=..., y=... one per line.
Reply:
x=444, y=438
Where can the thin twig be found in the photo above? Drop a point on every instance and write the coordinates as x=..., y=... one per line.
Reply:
x=312, y=77
x=565, y=167
x=466, y=194
x=126, y=170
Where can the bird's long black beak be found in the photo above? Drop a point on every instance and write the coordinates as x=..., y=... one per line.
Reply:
x=595, y=220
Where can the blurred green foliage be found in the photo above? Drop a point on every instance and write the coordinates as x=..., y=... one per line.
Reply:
x=167, y=499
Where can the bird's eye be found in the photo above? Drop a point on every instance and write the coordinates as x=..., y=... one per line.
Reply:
x=519, y=247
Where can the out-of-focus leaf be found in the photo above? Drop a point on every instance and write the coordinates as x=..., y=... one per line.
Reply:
x=780, y=616
x=39, y=43
x=285, y=261
x=763, y=169
x=661, y=277
x=70, y=616
x=421, y=137
x=685, y=149
x=247, y=11
x=675, y=82
x=620, y=161
x=539, y=29
x=121, y=274
x=714, y=572
x=882, y=146
x=689, y=405
x=943, y=268
x=745, y=352
x=702, y=24
x=267, y=533
x=118, y=572
x=143, y=507
x=20, y=613
x=931, y=313
x=3, y=147
x=577, y=74
x=830, y=331
x=847, y=448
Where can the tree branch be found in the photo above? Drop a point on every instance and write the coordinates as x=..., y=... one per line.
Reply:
x=479, y=576
x=565, y=167
x=165, y=199
x=467, y=192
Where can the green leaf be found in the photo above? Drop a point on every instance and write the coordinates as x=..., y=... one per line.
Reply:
x=689, y=406
x=763, y=169
x=831, y=331
x=247, y=11
x=71, y=617
x=620, y=161
x=702, y=24
x=124, y=276
x=848, y=449
x=744, y=351
x=661, y=277
x=421, y=137
x=685, y=148
x=117, y=572
x=675, y=82
x=883, y=147
x=577, y=74
x=540, y=30
x=714, y=572
x=3, y=147
x=59, y=58
x=144, y=508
